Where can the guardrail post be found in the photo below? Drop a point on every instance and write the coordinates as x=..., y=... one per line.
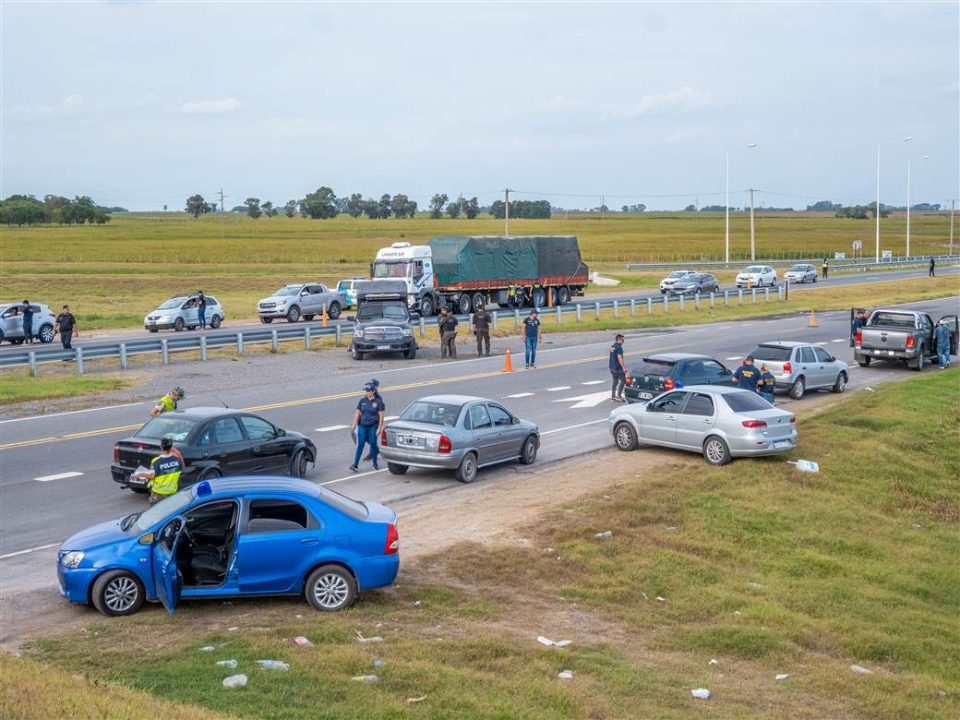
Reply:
x=496, y=315
x=559, y=314
x=666, y=304
x=32, y=357
x=239, y=343
x=726, y=297
x=123, y=355
x=164, y=352
x=579, y=312
x=766, y=294
x=649, y=306
x=596, y=309
x=712, y=305
x=203, y=348
x=753, y=296
x=780, y=292
x=616, y=309
x=274, y=343
x=739, y=296
x=80, y=360
x=338, y=335
x=423, y=326
x=516, y=317
x=696, y=302
x=681, y=303
x=306, y=336
x=633, y=307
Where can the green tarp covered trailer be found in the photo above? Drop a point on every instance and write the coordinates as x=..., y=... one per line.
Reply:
x=559, y=261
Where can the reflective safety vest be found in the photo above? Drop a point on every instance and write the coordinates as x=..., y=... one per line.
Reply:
x=166, y=479
x=167, y=404
x=512, y=291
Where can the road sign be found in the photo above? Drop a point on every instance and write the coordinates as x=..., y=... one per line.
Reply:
x=857, y=244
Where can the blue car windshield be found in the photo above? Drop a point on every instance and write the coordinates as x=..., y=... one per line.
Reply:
x=165, y=508
x=176, y=428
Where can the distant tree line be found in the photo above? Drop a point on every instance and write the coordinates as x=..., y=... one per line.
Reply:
x=28, y=210
x=639, y=208
x=522, y=209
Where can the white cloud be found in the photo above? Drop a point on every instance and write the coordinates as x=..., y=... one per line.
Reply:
x=70, y=105
x=683, y=99
x=209, y=107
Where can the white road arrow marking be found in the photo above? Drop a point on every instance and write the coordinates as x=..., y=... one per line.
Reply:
x=587, y=401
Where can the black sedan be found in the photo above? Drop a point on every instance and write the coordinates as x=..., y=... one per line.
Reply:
x=660, y=373
x=214, y=442
x=694, y=284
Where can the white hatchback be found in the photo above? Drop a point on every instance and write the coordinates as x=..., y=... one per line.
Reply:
x=757, y=276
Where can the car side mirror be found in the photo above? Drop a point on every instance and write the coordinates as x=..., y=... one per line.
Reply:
x=281, y=432
x=726, y=371
x=515, y=421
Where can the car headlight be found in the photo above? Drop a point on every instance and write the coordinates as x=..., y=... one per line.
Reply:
x=164, y=318
x=358, y=333
x=72, y=559
x=406, y=332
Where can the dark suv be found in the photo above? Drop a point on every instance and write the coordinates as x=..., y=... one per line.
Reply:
x=657, y=374
x=383, y=320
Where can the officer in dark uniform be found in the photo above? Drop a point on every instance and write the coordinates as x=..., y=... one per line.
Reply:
x=481, y=328
x=367, y=424
x=27, y=313
x=618, y=369
x=66, y=325
x=202, y=309
x=747, y=376
x=767, y=384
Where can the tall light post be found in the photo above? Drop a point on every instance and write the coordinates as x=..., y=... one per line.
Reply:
x=910, y=160
x=877, y=208
x=726, y=253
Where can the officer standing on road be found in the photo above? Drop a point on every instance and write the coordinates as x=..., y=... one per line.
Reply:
x=168, y=402
x=826, y=268
x=448, y=333
x=480, y=320
x=767, y=384
x=367, y=424
x=618, y=369
x=66, y=325
x=513, y=299
x=933, y=268
x=746, y=376
x=202, y=309
x=27, y=313
x=942, y=334
x=163, y=477
x=532, y=338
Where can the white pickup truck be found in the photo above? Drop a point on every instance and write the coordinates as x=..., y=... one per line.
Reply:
x=900, y=335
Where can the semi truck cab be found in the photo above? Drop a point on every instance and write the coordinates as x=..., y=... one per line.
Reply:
x=413, y=264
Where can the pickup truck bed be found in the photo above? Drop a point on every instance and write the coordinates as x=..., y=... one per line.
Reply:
x=901, y=336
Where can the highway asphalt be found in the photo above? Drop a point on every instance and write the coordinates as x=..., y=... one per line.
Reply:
x=95, y=338
x=54, y=469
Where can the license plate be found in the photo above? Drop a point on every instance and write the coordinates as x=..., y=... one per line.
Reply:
x=646, y=396
x=409, y=441
x=383, y=347
x=782, y=444
x=139, y=482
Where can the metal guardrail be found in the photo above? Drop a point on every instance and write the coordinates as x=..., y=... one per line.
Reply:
x=203, y=343
x=845, y=263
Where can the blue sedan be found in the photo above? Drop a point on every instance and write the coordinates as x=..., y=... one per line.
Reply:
x=234, y=537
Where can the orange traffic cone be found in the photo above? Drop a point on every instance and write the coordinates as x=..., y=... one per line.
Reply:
x=813, y=320
x=324, y=316
x=507, y=364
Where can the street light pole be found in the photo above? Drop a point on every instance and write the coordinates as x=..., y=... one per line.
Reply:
x=726, y=253
x=877, y=208
x=910, y=160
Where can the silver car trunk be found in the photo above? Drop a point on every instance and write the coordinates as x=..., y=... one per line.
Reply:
x=778, y=421
x=414, y=435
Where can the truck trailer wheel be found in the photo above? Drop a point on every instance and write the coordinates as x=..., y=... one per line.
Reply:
x=464, y=304
x=427, y=306
x=563, y=295
x=479, y=302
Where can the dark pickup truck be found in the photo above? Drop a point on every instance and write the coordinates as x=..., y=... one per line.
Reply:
x=900, y=336
x=383, y=322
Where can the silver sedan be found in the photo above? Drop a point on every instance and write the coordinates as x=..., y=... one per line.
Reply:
x=457, y=432
x=720, y=422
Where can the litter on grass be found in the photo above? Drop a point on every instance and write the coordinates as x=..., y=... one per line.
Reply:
x=365, y=678
x=207, y=648
x=861, y=670
x=235, y=681
x=377, y=662
x=713, y=661
x=661, y=599
x=374, y=639
x=273, y=664
x=781, y=676
x=565, y=674
x=805, y=465
x=604, y=534
x=701, y=693
x=227, y=663
x=420, y=699
x=417, y=604
x=554, y=643
x=301, y=640
x=233, y=629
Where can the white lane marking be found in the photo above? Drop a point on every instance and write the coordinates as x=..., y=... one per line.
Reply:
x=572, y=427
x=735, y=357
x=558, y=388
x=28, y=550
x=520, y=395
x=586, y=401
x=840, y=340
x=331, y=428
x=58, y=476
x=354, y=475
x=593, y=382
x=69, y=412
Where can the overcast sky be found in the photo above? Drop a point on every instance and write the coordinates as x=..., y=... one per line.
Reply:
x=141, y=104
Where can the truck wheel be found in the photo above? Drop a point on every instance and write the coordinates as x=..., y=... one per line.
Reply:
x=357, y=355
x=266, y=321
x=464, y=304
x=293, y=314
x=411, y=353
x=563, y=295
x=920, y=361
x=427, y=306
x=479, y=302
x=799, y=388
x=865, y=362
x=333, y=312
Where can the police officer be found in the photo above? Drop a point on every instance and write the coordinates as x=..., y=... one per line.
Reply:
x=532, y=338
x=163, y=477
x=826, y=268
x=448, y=333
x=933, y=268
x=27, y=313
x=66, y=325
x=376, y=392
x=367, y=425
x=513, y=299
x=202, y=309
x=480, y=321
x=767, y=384
x=168, y=402
x=618, y=369
x=746, y=376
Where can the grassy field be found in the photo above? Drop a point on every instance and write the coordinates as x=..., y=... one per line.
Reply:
x=17, y=386
x=763, y=568
x=113, y=274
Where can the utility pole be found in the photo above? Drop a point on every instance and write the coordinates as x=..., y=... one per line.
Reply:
x=506, y=211
x=753, y=237
x=223, y=209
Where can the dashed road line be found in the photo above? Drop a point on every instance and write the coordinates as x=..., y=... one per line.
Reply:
x=840, y=340
x=558, y=388
x=28, y=551
x=58, y=476
x=331, y=428
x=573, y=427
x=593, y=382
x=519, y=395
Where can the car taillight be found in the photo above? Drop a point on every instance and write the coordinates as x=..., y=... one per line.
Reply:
x=392, y=546
x=910, y=341
x=116, y=453
x=787, y=368
x=383, y=437
x=859, y=338
x=445, y=446
x=754, y=424
x=629, y=379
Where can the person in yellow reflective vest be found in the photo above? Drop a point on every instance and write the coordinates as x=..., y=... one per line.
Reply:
x=168, y=402
x=163, y=477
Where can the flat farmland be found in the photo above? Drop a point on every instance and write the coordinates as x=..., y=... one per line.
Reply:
x=113, y=274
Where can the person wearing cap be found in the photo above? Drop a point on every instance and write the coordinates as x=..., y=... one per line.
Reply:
x=480, y=320
x=26, y=310
x=532, y=338
x=448, y=333
x=202, y=309
x=163, y=477
x=746, y=376
x=618, y=369
x=367, y=425
x=766, y=384
x=942, y=336
x=66, y=326
x=168, y=402
x=376, y=392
